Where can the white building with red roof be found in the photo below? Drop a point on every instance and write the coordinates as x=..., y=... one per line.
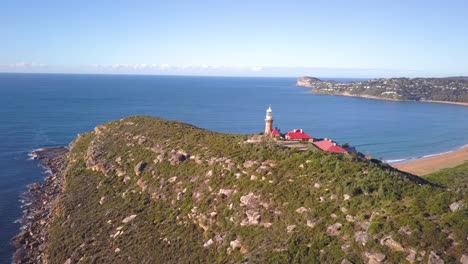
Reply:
x=297, y=134
x=330, y=146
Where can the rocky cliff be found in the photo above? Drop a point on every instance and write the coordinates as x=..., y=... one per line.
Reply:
x=147, y=190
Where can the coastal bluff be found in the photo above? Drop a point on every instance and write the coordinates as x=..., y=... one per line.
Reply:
x=148, y=190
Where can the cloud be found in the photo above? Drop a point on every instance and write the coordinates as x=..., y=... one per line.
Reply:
x=203, y=68
x=25, y=65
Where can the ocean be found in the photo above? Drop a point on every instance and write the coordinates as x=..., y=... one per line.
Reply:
x=40, y=110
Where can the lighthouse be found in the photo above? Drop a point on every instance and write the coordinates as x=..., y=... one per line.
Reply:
x=268, y=122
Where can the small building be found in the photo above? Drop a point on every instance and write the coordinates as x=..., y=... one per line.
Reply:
x=297, y=134
x=275, y=133
x=330, y=146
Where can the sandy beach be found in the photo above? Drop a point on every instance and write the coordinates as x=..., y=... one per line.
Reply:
x=435, y=163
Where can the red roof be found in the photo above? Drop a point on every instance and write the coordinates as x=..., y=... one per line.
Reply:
x=275, y=132
x=297, y=134
x=330, y=146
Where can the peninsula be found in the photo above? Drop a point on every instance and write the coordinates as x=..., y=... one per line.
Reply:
x=148, y=190
x=442, y=90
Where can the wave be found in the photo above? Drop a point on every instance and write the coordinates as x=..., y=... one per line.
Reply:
x=32, y=155
x=394, y=161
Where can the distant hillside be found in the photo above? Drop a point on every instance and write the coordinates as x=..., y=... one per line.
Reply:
x=450, y=89
x=147, y=190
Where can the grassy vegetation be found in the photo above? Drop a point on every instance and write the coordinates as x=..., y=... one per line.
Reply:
x=177, y=216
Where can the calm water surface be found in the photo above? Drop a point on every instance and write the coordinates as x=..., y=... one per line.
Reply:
x=49, y=110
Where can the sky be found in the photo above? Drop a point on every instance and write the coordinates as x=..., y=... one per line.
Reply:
x=333, y=38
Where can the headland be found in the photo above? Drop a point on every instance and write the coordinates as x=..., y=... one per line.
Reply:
x=450, y=90
x=148, y=190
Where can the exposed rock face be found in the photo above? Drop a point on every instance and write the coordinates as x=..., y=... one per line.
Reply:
x=139, y=168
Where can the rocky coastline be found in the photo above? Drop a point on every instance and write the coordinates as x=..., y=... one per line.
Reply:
x=38, y=207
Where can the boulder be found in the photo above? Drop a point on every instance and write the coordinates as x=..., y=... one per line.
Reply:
x=225, y=192
x=253, y=218
x=392, y=244
x=301, y=210
x=375, y=257
x=434, y=259
x=456, y=206
x=249, y=163
x=411, y=256
x=361, y=237
x=464, y=259
x=142, y=184
x=208, y=243
x=139, y=168
x=404, y=230
x=334, y=230
x=290, y=228
x=235, y=244
x=129, y=218
x=312, y=222
x=176, y=158
x=345, y=261
x=250, y=200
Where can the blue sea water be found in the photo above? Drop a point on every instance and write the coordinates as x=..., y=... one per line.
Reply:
x=38, y=110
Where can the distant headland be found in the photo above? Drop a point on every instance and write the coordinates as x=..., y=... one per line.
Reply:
x=453, y=90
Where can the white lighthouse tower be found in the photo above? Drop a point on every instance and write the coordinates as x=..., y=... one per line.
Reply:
x=268, y=122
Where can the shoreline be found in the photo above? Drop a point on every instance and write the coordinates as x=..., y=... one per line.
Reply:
x=38, y=205
x=433, y=163
x=385, y=99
